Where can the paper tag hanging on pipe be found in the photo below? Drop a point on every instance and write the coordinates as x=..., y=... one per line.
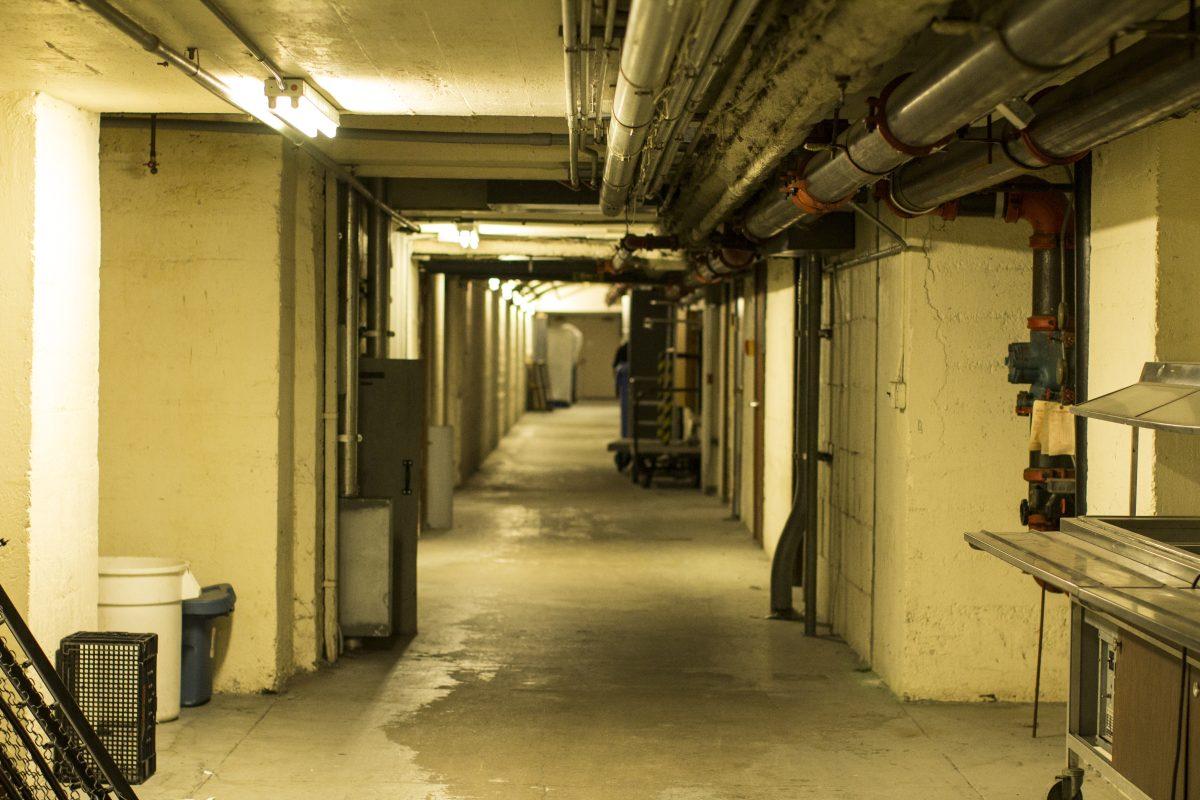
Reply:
x=1052, y=429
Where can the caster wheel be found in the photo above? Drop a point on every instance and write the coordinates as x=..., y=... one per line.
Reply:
x=1056, y=793
x=622, y=461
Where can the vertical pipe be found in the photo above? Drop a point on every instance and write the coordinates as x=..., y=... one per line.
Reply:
x=329, y=602
x=351, y=271
x=1083, y=279
x=378, y=335
x=585, y=61
x=811, y=338
x=1133, y=469
x=739, y=395
x=786, y=563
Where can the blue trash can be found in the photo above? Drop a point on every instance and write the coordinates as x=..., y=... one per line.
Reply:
x=623, y=394
x=199, y=614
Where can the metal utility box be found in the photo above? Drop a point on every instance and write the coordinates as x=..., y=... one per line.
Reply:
x=391, y=459
x=365, y=575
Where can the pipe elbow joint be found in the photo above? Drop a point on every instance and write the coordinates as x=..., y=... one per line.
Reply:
x=1044, y=209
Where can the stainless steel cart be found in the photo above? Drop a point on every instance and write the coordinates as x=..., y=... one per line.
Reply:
x=1134, y=703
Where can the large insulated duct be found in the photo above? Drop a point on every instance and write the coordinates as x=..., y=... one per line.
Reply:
x=917, y=114
x=796, y=82
x=1144, y=84
x=652, y=36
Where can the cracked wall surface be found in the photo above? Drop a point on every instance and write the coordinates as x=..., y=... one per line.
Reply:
x=926, y=446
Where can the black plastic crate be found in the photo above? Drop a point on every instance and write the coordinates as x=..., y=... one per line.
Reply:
x=112, y=678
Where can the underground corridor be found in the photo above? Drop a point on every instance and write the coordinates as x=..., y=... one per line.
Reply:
x=630, y=399
x=580, y=641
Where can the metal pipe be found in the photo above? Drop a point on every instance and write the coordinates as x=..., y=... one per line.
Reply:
x=380, y=252
x=1144, y=84
x=734, y=24
x=586, y=95
x=246, y=40
x=570, y=28
x=814, y=283
x=700, y=43
x=364, y=134
x=331, y=366
x=798, y=78
x=152, y=44
x=1133, y=469
x=916, y=115
x=351, y=278
x=798, y=541
x=1082, y=205
x=651, y=38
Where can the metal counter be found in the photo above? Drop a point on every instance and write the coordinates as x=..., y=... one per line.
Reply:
x=1135, y=627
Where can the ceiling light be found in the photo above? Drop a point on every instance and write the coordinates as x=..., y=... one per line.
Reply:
x=493, y=284
x=302, y=107
x=468, y=236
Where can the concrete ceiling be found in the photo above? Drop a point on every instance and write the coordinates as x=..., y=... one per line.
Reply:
x=400, y=57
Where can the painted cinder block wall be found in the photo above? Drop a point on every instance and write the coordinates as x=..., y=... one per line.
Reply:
x=925, y=443
x=49, y=354
x=926, y=447
x=205, y=378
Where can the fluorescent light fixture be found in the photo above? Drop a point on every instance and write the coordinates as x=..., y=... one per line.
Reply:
x=493, y=284
x=468, y=236
x=512, y=258
x=247, y=96
x=302, y=107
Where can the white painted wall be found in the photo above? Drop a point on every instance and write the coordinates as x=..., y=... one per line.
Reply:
x=17, y=181
x=778, y=402
x=50, y=249
x=64, y=471
x=202, y=375
x=1144, y=285
x=405, y=315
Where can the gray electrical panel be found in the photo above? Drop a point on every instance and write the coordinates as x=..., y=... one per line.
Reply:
x=365, y=575
x=391, y=466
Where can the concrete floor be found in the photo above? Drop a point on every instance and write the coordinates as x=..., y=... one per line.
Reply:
x=586, y=639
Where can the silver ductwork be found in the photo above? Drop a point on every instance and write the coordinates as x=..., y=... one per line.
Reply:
x=652, y=36
x=695, y=54
x=1144, y=84
x=917, y=114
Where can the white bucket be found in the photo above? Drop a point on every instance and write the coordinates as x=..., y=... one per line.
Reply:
x=144, y=595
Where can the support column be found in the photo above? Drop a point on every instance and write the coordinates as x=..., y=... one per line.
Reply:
x=49, y=362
